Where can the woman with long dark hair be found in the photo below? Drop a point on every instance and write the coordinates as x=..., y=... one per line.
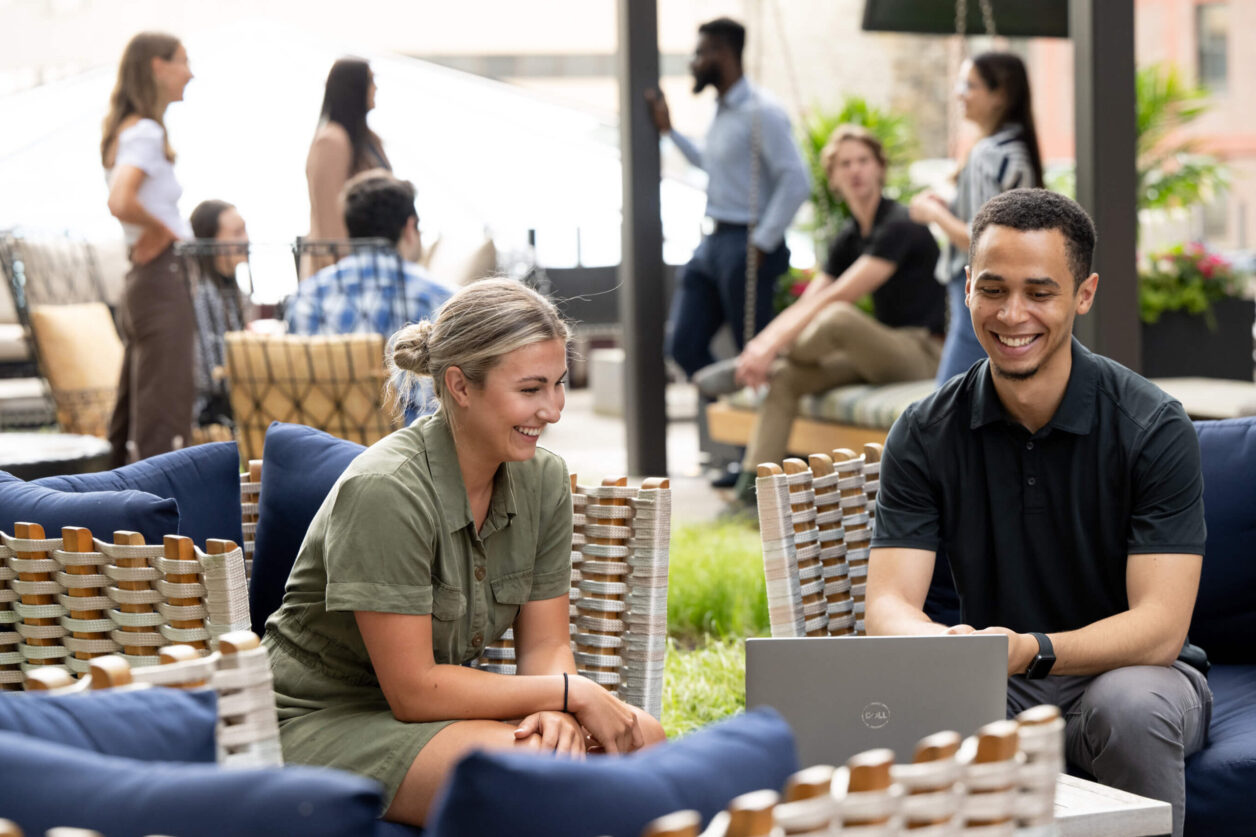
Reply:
x=344, y=145
x=993, y=89
x=216, y=298
x=153, y=413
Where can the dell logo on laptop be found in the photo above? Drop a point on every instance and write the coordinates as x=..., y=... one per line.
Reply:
x=875, y=715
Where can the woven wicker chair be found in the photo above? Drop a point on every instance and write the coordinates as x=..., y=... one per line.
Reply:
x=1000, y=779
x=62, y=304
x=333, y=383
x=815, y=521
x=238, y=671
x=66, y=601
x=619, y=559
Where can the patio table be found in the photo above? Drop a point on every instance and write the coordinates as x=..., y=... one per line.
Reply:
x=33, y=455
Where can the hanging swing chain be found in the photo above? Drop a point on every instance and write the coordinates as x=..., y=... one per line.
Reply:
x=987, y=17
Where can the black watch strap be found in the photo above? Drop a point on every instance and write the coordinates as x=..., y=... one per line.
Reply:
x=1040, y=665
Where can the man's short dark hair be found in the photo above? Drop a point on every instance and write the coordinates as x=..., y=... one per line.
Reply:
x=728, y=32
x=377, y=205
x=1039, y=209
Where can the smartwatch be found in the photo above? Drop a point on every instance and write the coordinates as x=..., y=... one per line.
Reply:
x=1040, y=665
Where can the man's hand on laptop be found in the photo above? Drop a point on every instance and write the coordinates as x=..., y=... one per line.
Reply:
x=1021, y=648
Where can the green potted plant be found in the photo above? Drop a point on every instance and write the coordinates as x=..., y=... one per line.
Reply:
x=1195, y=322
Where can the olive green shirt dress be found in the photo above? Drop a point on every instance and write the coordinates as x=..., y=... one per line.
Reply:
x=396, y=535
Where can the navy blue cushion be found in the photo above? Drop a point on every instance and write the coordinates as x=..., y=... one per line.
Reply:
x=1224, y=622
x=103, y=512
x=524, y=794
x=204, y=480
x=1220, y=778
x=300, y=465
x=48, y=785
x=150, y=724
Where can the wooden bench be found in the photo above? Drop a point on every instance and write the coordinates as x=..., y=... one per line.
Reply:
x=853, y=416
x=845, y=417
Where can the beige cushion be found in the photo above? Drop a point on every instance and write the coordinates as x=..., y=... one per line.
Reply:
x=79, y=347
x=458, y=260
x=8, y=311
x=13, y=348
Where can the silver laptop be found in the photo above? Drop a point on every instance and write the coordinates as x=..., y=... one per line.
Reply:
x=844, y=695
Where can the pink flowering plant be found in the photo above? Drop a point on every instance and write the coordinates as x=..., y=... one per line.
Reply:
x=790, y=286
x=1186, y=277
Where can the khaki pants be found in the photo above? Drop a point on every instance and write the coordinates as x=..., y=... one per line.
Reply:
x=156, y=392
x=841, y=346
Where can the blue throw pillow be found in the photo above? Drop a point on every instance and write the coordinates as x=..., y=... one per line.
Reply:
x=204, y=480
x=300, y=465
x=48, y=785
x=1224, y=623
x=103, y=512
x=149, y=724
x=523, y=794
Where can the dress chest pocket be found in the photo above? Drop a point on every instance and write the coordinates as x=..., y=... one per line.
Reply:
x=513, y=590
x=448, y=603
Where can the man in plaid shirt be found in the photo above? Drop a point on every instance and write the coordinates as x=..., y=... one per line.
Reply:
x=377, y=288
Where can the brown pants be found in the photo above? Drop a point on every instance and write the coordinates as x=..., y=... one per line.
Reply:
x=841, y=346
x=156, y=391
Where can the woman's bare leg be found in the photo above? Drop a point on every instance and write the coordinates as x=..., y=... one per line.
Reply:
x=436, y=761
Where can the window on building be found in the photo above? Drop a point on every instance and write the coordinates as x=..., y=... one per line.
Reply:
x=1211, y=22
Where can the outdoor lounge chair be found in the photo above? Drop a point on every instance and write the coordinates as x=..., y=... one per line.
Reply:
x=1001, y=779
x=62, y=304
x=238, y=672
x=334, y=383
x=815, y=521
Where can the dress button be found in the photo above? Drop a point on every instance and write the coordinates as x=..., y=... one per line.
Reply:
x=479, y=573
x=1032, y=481
x=477, y=640
x=1029, y=446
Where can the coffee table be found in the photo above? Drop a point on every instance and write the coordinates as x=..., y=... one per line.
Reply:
x=29, y=456
x=1089, y=809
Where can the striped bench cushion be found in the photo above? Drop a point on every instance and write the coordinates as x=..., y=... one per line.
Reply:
x=862, y=405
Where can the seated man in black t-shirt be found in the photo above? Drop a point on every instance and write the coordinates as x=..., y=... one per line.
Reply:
x=1067, y=493
x=823, y=340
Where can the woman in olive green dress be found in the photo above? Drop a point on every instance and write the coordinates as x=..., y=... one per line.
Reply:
x=431, y=544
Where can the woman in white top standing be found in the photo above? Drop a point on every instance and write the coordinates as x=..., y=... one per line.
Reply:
x=993, y=89
x=156, y=392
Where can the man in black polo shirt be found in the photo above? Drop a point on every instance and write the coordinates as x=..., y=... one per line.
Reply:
x=1067, y=493
x=823, y=340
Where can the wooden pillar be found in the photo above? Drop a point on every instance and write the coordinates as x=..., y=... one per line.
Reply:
x=1104, y=105
x=642, y=297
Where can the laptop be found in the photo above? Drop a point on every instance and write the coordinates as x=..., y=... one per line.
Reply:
x=844, y=695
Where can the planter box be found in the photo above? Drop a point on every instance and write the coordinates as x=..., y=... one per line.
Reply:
x=1181, y=345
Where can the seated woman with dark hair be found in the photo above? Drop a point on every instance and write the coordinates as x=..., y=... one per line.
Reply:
x=217, y=302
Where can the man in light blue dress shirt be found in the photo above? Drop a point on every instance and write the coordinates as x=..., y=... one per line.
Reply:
x=712, y=287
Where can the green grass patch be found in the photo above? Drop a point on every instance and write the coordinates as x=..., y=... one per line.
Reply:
x=703, y=685
x=715, y=585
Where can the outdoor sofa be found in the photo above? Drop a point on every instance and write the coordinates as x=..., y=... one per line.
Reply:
x=138, y=762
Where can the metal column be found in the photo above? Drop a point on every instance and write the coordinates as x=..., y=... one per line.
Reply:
x=643, y=301
x=1104, y=113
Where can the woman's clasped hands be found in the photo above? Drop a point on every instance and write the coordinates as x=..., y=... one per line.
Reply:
x=597, y=719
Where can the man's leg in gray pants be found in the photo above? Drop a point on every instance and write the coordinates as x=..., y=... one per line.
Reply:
x=1131, y=728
